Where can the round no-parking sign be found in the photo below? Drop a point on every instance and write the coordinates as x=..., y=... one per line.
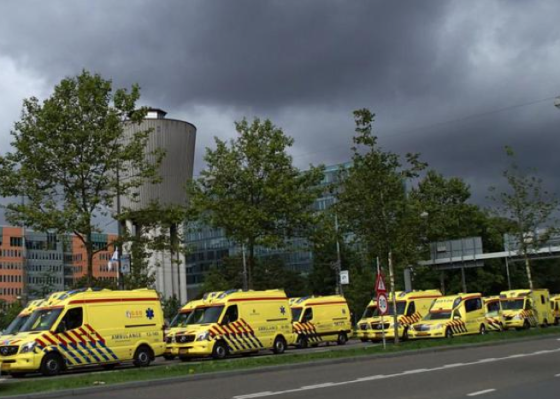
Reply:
x=382, y=303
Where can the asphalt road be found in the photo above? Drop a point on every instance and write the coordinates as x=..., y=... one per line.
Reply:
x=517, y=370
x=160, y=361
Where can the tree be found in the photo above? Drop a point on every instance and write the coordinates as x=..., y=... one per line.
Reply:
x=270, y=274
x=68, y=153
x=251, y=189
x=9, y=313
x=529, y=206
x=373, y=203
x=170, y=306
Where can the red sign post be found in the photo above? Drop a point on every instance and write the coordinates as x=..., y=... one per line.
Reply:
x=382, y=302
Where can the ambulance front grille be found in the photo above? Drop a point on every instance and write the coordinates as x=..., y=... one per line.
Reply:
x=8, y=350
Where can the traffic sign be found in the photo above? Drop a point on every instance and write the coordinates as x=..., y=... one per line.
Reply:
x=382, y=303
x=125, y=264
x=380, y=284
x=344, y=277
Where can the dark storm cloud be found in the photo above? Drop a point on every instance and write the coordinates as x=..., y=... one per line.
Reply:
x=308, y=64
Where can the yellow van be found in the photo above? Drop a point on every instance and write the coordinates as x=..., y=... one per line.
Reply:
x=235, y=322
x=524, y=309
x=460, y=314
x=16, y=324
x=494, y=314
x=363, y=327
x=411, y=307
x=87, y=327
x=555, y=308
x=321, y=319
x=179, y=326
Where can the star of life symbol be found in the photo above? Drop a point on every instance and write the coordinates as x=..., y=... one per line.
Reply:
x=150, y=313
x=282, y=310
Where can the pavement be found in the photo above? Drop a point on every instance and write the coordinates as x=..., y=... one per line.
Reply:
x=514, y=370
x=160, y=361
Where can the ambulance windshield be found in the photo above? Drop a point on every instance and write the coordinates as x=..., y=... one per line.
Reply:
x=296, y=313
x=205, y=315
x=439, y=315
x=514, y=304
x=401, y=306
x=41, y=320
x=369, y=312
x=15, y=325
x=180, y=319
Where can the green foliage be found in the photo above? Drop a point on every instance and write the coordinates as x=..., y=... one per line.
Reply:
x=529, y=206
x=361, y=288
x=67, y=151
x=9, y=313
x=270, y=273
x=84, y=282
x=372, y=202
x=251, y=189
x=170, y=307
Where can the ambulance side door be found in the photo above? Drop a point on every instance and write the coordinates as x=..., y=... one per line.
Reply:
x=70, y=330
x=474, y=313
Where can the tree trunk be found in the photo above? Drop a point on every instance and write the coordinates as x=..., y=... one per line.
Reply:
x=528, y=269
x=250, y=263
x=392, y=294
x=89, y=255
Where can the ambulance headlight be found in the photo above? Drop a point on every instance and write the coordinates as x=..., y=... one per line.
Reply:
x=203, y=336
x=28, y=347
x=517, y=317
x=437, y=327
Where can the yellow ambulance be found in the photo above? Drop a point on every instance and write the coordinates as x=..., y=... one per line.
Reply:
x=494, y=314
x=87, y=327
x=321, y=319
x=16, y=324
x=179, y=326
x=364, y=325
x=555, y=308
x=235, y=322
x=524, y=309
x=411, y=307
x=460, y=314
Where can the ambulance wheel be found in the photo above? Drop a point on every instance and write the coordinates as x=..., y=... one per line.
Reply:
x=220, y=350
x=52, y=364
x=302, y=342
x=168, y=357
x=279, y=346
x=342, y=338
x=482, y=329
x=448, y=333
x=545, y=323
x=143, y=356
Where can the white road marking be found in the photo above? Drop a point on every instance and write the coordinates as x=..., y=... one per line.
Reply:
x=403, y=373
x=253, y=395
x=481, y=392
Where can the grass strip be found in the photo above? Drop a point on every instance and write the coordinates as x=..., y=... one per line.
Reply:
x=42, y=385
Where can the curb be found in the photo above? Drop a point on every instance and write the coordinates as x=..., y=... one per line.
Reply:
x=269, y=369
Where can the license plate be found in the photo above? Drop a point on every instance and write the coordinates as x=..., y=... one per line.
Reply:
x=183, y=351
x=422, y=334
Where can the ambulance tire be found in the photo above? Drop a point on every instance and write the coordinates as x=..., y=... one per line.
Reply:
x=143, y=356
x=302, y=342
x=342, y=338
x=52, y=364
x=279, y=345
x=220, y=350
x=448, y=333
x=482, y=330
x=545, y=323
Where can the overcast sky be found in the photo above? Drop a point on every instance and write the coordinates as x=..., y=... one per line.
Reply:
x=435, y=72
